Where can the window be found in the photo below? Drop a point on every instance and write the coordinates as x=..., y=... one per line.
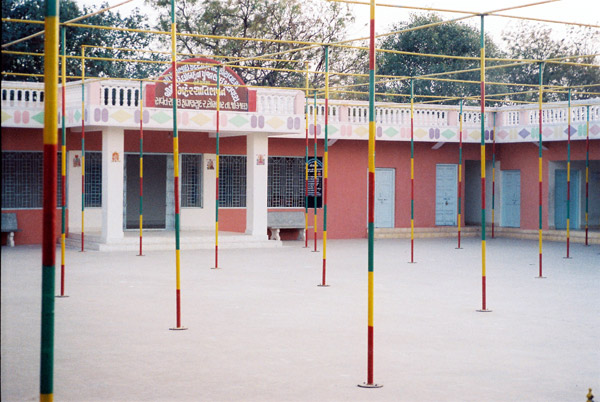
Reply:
x=93, y=179
x=22, y=177
x=286, y=182
x=232, y=181
x=191, y=180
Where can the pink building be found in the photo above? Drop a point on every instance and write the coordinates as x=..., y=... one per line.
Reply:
x=262, y=162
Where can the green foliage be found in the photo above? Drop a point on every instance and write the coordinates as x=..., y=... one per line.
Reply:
x=537, y=42
x=75, y=37
x=455, y=39
x=272, y=22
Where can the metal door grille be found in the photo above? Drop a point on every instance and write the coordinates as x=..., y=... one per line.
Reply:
x=232, y=181
x=93, y=179
x=191, y=183
x=286, y=182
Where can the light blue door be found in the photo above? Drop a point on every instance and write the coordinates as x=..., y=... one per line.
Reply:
x=384, y=198
x=511, y=198
x=446, y=197
x=560, y=199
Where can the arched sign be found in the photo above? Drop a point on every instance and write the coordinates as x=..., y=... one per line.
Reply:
x=197, y=87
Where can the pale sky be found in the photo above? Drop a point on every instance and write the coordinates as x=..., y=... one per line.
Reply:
x=581, y=11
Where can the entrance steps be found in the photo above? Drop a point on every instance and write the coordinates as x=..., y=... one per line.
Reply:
x=576, y=236
x=154, y=240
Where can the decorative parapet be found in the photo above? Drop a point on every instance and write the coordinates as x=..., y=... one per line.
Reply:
x=281, y=112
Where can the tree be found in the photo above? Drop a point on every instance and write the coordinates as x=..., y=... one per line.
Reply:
x=272, y=23
x=537, y=42
x=455, y=39
x=75, y=37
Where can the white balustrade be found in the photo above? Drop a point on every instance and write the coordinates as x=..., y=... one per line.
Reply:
x=23, y=94
x=119, y=94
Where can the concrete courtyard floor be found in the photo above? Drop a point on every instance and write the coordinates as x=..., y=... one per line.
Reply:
x=261, y=330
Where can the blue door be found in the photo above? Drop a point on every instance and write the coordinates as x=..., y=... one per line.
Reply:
x=384, y=198
x=446, y=197
x=560, y=199
x=511, y=198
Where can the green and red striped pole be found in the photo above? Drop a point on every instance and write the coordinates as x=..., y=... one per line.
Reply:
x=141, y=163
x=82, y=148
x=540, y=169
x=460, y=168
x=217, y=172
x=325, y=167
x=493, y=174
x=306, y=163
x=371, y=203
x=587, y=172
x=412, y=175
x=569, y=177
x=176, y=169
x=63, y=164
x=50, y=138
x=315, y=165
x=483, y=260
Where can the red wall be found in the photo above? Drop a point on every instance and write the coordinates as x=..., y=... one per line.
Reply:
x=30, y=223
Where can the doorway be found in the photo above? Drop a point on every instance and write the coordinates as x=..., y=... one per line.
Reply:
x=511, y=198
x=384, y=197
x=446, y=197
x=154, y=191
x=560, y=199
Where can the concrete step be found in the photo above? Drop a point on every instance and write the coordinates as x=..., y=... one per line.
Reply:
x=576, y=236
x=165, y=240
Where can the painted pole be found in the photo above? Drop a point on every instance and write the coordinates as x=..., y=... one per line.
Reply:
x=569, y=177
x=587, y=172
x=493, y=174
x=306, y=163
x=483, y=261
x=540, y=169
x=315, y=173
x=50, y=138
x=176, y=169
x=412, y=175
x=141, y=163
x=325, y=167
x=63, y=164
x=217, y=172
x=82, y=148
x=460, y=168
x=371, y=203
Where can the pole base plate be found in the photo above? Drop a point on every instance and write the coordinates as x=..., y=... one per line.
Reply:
x=411, y=262
x=215, y=267
x=323, y=286
x=540, y=277
x=567, y=258
x=458, y=248
x=178, y=329
x=61, y=296
x=140, y=255
x=483, y=311
x=367, y=385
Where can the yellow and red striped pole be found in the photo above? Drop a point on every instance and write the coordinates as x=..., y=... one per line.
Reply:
x=51, y=23
x=141, y=163
x=325, y=167
x=176, y=168
x=371, y=204
x=315, y=165
x=460, y=168
x=540, y=169
x=493, y=173
x=483, y=259
x=569, y=177
x=82, y=148
x=412, y=175
x=306, y=163
x=217, y=173
x=587, y=172
x=63, y=165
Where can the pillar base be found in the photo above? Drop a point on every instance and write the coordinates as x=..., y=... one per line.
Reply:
x=366, y=385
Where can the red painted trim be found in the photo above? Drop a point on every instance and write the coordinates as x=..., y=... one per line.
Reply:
x=150, y=91
x=483, y=306
x=176, y=194
x=370, y=355
x=252, y=100
x=371, y=197
x=178, y=303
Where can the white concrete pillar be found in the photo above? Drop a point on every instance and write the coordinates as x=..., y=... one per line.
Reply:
x=74, y=190
x=257, y=150
x=112, y=184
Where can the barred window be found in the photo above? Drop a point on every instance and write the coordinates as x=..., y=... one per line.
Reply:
x=286, y=182
x=232, y=181
x=191, y=180
x=22, y=180
x=93, y=179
